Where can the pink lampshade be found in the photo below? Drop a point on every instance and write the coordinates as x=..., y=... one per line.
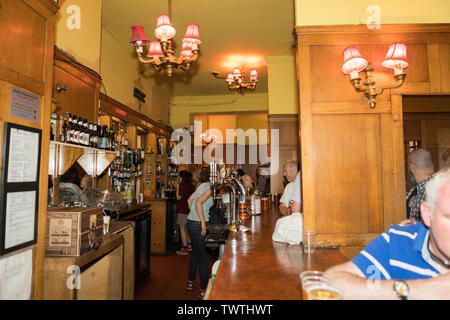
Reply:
x=353, y=61
x=186, y=49
x=138, y=37
x=254, y=75
x=230, y=78
x=237, y=72
x=155, y=49
x=396, y=57
x=164, y=28
x=192, y=33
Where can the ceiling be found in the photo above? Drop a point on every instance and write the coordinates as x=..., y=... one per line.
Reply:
x=231, y=31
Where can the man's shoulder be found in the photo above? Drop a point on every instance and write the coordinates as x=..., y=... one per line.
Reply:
x=412, y=228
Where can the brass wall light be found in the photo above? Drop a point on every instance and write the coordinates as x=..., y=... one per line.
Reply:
x=354, y=63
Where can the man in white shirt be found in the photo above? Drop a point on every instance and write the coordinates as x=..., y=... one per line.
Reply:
x=290, y=171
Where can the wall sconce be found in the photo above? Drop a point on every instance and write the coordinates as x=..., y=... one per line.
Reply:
x=354, y=63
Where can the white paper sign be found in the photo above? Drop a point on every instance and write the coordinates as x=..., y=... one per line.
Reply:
x=20, y=218
x=23, y=156
x=16, y=276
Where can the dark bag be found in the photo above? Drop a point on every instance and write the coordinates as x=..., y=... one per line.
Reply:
x=215, y=214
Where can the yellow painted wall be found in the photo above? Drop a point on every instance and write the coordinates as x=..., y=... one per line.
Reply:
x=182, y=107
x=82, y=43
x=256, y=121
x=120, y=73
x=333, y=12
x=282, y=85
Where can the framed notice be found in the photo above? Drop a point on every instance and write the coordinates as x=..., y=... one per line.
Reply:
x=20, y=187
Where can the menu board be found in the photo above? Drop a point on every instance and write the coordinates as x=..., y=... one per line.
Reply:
x=20, y=218
x=19, y=200
x=16, y=272
x=23, y=156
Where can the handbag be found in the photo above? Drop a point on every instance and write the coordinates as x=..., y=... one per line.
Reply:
x=289, y=229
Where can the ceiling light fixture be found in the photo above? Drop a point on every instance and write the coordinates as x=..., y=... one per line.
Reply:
x=207, y=140
x=355, y=63
x=160, y=54
x=236, y=80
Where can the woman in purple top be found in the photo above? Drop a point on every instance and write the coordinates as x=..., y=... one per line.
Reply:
x=184, y=190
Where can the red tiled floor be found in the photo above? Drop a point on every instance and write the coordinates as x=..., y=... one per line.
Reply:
x=168, y=277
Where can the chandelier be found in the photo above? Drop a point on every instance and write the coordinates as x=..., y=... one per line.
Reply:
x=207, y=139
x=354, y=63
x=160, y=53
x=236, y=80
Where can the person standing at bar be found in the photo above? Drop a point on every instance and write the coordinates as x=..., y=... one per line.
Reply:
x=197, y=227
x=184, y=191
x=421, y=170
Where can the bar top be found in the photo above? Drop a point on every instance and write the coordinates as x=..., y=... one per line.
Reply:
x=253, y=267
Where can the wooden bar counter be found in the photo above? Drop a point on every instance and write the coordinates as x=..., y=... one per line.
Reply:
x=253, y=267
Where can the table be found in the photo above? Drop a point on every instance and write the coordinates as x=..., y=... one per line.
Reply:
x=253, y=267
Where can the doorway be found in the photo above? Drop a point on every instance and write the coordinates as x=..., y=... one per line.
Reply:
x=426, y=125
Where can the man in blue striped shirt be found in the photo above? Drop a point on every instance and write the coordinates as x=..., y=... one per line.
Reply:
x=406, y=262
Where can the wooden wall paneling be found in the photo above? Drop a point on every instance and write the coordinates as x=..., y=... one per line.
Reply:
x=307, y=155
x=83, y=87
x=375, y=151
x=444, y=53
x=435, y=129
x=434, y=68
x=23, y=49
x=398, y=163
x=347, y=184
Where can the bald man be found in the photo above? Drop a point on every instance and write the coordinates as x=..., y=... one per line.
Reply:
x=290, y=171
x=421, y=169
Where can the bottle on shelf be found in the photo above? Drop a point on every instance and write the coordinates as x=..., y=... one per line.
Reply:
x=76, y=132
x=105, y=137
x=112, y=140
x=70, y=129
x=65, y=130
x=53, y=120
x=100, y=141
x=96, y=135
x=91, y=135
x=87, y=133
x=81, y=130
x=59, y=129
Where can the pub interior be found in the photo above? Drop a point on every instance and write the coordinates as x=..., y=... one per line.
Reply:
x=104, y=104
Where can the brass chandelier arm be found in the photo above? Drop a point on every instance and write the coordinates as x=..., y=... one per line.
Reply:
x=155, y=61
x=400, y=79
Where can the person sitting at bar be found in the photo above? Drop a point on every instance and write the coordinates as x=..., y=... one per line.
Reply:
x=290, y=171
x=420, y=171
x=407, y=261
x=197, y=227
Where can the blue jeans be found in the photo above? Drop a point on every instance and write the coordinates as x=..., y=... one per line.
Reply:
x=200, y=256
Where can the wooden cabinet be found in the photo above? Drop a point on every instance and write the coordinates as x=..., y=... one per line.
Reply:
x=126, y=229
x=159, y=223
x=75, y=87
x=26, y=59
x=95, y=275
x=353, y=156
